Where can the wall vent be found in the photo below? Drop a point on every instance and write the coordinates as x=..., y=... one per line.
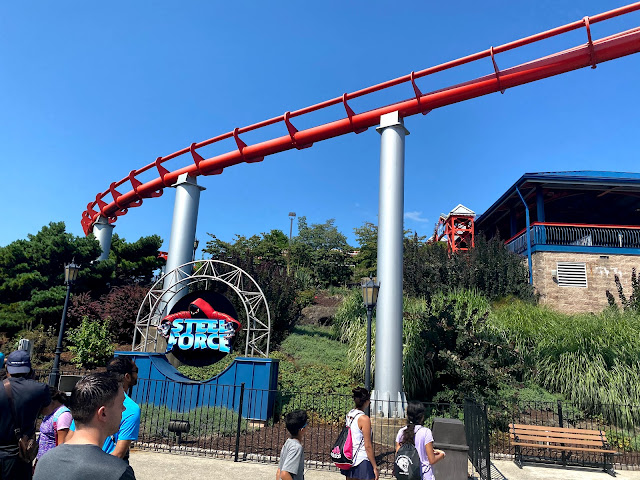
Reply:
x=572, y=274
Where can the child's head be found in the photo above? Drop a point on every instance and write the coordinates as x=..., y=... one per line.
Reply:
x=415, y=412
x=360, y=396
x=295, y=421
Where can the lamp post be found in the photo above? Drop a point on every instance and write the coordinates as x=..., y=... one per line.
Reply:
x=370, y=288
x=70, y=275
x=292, y=215
x=196, y=242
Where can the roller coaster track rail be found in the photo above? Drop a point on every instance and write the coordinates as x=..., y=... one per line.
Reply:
x=591, y=53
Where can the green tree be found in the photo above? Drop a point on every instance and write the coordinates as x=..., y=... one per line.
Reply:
x=91, y=343
x=320, y=249
x=32, y=272
x=366, y=261
x=489, y=268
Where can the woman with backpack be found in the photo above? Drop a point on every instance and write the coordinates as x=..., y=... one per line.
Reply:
x=364, y=465
x=55, y=424
x=418, y=437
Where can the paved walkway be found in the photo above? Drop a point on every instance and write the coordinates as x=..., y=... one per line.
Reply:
x=153, y=465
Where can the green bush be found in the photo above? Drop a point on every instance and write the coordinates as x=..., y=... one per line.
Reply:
x=448, y=353
x=91, y=343
x=43, y=345
x=210, y=371
x=305, y=298
x=589, y=359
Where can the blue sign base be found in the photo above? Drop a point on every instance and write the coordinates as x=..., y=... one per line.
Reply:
x=160, y=384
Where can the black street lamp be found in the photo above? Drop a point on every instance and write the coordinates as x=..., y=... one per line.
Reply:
x=370, y=288
x=70, y=276
x=292, y=215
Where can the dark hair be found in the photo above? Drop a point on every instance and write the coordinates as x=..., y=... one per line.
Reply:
x=120, y=366
x=295, y=421
x=91, y=393
x=415, y=416
x=360, y=396
x=58, y=395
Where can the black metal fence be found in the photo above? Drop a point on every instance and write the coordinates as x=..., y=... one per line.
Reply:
x=173, y=422
x=476, y=428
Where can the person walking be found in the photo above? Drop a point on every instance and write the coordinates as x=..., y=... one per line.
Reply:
x=421, y=437
x=55, y=424
x=119, y=443
x=96, y=405
x=364, y=462
x=291, y=465
x=21, y=401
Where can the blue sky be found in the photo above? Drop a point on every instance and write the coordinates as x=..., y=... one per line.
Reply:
x=90, y=91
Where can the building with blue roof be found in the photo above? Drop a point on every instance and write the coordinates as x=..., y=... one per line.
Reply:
x=577, y=230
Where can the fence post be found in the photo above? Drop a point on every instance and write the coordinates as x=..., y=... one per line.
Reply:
x=486, y=440
x=239, y=421
x=560, y=419
x=561, y=425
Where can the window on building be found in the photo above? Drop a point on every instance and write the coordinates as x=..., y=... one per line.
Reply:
x=572, y=274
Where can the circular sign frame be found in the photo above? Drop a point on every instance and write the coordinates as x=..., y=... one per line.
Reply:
x=171, y=286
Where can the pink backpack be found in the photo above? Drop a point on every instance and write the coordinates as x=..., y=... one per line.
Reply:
x=342, y=451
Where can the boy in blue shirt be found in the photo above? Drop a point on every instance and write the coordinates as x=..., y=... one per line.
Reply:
x=119, y=443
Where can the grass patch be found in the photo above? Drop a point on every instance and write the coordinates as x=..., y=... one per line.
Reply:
x=314, y=346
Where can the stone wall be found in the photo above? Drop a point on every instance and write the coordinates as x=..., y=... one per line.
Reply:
x=600, y=278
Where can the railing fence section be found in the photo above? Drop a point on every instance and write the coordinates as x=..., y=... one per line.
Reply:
x=476, y=427
x=178, y=419
x=610, y=236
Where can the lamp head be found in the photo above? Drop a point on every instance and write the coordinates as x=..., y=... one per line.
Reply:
x=370, y=288
x=71, y=273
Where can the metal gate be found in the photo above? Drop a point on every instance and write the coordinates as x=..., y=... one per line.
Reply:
x=476, y=427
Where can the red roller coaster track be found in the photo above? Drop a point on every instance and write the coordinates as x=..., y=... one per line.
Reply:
x=588, y=54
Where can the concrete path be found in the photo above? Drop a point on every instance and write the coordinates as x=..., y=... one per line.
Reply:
x=152, y=466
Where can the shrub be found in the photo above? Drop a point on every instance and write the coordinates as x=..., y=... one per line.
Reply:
x=489, y=269
x=43, y=345
x=631, y=303
x=590, y=359
x=210, y=371
x=91, y=343
x=305, y=298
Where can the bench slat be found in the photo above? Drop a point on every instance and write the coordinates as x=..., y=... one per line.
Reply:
x=570, y=441
x=593, y=438
x=558, y=447
x=584, y=431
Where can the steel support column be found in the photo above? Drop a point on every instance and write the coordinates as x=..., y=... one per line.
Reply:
x=183, y=234
x=103, y=231
x=388, y=397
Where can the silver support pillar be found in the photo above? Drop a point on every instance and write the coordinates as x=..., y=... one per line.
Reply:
x=103, y=231
x=183, y=234
x=388, y=398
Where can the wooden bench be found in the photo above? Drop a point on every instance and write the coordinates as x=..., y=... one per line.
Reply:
x=542, y=440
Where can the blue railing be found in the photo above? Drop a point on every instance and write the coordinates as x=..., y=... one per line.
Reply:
x=576, y=235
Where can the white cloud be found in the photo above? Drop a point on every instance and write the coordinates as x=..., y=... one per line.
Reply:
x=415, y=216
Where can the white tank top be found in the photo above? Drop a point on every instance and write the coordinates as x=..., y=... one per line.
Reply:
x=359, y=453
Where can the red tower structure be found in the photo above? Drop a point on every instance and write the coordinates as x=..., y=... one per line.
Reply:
x=458, y=227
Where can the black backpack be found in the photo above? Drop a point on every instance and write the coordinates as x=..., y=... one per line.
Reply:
x=407, y=465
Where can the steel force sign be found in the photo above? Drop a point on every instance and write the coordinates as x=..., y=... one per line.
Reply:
x=200, y=335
